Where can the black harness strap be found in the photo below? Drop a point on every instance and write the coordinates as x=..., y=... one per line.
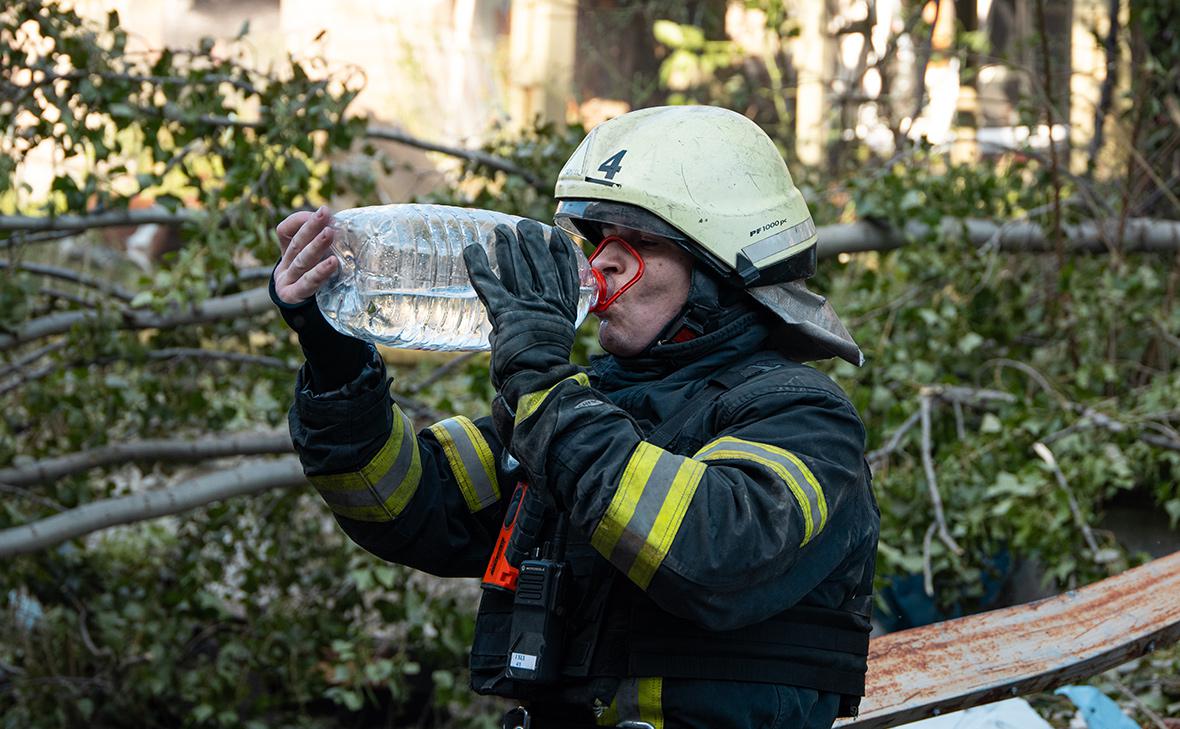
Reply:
x=718, y=384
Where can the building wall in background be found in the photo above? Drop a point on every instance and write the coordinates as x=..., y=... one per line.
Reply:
x=449, y=70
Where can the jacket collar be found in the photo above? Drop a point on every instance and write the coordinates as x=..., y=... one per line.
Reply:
x=691, y=360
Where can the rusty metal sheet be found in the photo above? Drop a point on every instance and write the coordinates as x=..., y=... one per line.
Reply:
x=953, y=665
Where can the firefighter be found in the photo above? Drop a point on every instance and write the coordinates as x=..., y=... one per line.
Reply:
x=708, y=489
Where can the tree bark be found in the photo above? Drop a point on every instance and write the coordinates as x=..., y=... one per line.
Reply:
x=1142, y=236
x=250, y=478
x=147, y=216
x=483, y=158
x=239, y=305
x=174, y=450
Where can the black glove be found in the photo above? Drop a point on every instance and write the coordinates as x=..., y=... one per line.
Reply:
x=532, y=307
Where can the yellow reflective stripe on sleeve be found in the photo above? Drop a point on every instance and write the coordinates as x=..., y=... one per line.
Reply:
x=800, y=481
x=819, y=492
x=622, y=505
x=646, y=511
x=528, y=403
x=380, y=489
x=471, y=461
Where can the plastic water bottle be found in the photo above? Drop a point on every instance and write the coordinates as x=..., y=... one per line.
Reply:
x=402, y=282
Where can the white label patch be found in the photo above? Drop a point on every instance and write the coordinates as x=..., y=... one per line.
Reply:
x=588, y=404
x=525, y=661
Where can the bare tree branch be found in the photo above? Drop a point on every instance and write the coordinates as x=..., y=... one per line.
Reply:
x=1047, y=456
x=441, y=372
x=235, y=306
x=924, y=54
x=483, y=158
x=25, y=494
x=1051, y=113
x=1035, y=376
x=31, y=357
x=894, y=442
x=960, y=427
x=1143, y=235
x=1160, y=441
x=1155, y=718
x=1106, y=95
x=66, y=274
x=20, y=238
x=175, y=451
x=927, y=562
x=931, y=482
x=239, y=357
x=954, y=394
x=114, y=218
x=250, y=478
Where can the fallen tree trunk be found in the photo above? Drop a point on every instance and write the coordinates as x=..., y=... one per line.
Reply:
x=243, y=304
x=174, y=451
x=250, y=478
x=1138, y=235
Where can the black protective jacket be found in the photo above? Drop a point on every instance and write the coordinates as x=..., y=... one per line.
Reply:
x=721, y=577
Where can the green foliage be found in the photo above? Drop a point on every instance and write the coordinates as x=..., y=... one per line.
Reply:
x=254, y=612
x=941, y=312
x=257, y=612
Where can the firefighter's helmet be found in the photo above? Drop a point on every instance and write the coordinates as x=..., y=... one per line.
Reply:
x=705, y=176
x=712, y=181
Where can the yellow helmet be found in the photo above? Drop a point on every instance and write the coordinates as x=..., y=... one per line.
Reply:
x=710, y=175
x=711, y=180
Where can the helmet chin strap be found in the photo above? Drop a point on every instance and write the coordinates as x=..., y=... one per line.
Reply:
x=706, y=306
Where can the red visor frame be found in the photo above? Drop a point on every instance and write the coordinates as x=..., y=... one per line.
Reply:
x=601, y=306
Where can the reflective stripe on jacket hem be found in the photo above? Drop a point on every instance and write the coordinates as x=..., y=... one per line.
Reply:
x=637, y=699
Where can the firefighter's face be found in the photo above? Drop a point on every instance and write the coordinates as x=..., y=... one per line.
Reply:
x=643, y=310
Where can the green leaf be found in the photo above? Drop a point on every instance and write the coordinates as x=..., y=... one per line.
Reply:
x=1008, y=484
x=677, y=36
x=970, y=342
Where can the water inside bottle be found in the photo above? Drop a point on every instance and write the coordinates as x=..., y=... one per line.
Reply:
x=402, y=281
x=447, y=318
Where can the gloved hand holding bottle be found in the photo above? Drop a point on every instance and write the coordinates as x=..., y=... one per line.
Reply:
x=532, y=305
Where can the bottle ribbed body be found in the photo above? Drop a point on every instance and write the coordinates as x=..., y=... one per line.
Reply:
x=402, y=281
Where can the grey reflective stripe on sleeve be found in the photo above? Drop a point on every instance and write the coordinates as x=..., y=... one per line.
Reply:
x=780, y=241
x=471, y=461
x=380, y=490
x=790, y=468
x=647, y=508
